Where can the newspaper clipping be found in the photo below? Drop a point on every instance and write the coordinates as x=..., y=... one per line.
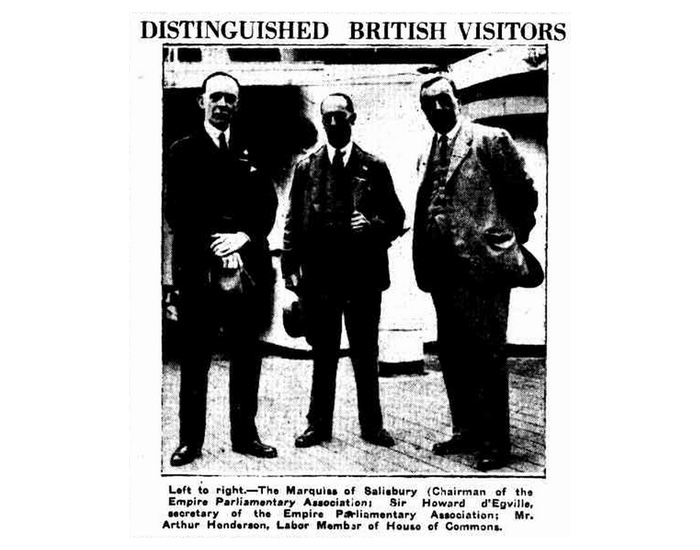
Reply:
x=344, y=228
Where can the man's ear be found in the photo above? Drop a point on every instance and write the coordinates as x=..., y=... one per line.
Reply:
x=200, y=101
x=352, y=118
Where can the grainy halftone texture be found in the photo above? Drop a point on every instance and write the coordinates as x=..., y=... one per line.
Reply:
x=415, y=413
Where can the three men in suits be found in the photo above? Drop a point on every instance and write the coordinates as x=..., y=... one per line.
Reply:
x=474, y=190
x=344, y=214
x=220, y=211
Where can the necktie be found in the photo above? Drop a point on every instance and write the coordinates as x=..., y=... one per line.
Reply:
x=443, y=159
x=338, y=161
x=437, y=223
x=222, y=142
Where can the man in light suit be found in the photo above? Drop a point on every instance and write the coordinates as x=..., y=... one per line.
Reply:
x=343, y=216
x=475, y=203
x=220, y=211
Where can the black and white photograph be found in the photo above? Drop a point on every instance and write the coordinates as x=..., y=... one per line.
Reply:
x=348, y=275
x=354, y=260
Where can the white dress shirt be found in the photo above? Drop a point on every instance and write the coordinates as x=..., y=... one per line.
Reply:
x=214, y=133
x=345, y=151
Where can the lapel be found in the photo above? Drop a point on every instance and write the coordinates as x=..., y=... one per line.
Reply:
x=359, y=172
x=461, y=148
x=423, y=161
x=208, y=146
x=355, y=165
x=204, y=140
x=316, y=174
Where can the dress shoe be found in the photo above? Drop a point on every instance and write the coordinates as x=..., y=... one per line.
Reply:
x=312, y=436
x=254, y=447
x=487, y=461
x=185, y=454
x=459, y=444
x=381, y=438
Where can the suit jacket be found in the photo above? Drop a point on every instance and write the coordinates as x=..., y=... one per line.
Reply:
x=209, y=191
x=491, y=206
x=306, y=249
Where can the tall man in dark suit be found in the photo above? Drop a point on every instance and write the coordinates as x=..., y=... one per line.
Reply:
x=220, y=212
x=474, y=190
x=343, y=216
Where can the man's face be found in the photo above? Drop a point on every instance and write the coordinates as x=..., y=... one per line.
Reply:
x=337, y=121
x=219, y=101
x=440, y=106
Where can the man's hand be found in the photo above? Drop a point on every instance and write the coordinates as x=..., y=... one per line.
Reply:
x=224, y=244
x=359, y=223
x=291, y=282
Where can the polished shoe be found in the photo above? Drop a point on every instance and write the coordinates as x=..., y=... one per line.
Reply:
x=459, y=444
x=381, y=438
x=185, y=454
x=485, y=462
x=312, y=436
x=254, y=447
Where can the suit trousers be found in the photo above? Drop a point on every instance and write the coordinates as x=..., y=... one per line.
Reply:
x=472, y=321
x=202, y=311
x=324, y=312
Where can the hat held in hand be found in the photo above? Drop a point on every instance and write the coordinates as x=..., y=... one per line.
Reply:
x=292, y=319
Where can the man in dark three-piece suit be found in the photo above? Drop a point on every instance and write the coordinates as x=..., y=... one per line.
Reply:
x=475, y=205
x=343, y=216
x=220, y=212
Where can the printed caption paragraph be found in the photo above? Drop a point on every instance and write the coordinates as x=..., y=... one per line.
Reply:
x=361, y=508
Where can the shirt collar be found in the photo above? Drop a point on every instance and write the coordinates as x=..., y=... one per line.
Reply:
x=215, y=132
x=345, y=151
x=452, y=133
